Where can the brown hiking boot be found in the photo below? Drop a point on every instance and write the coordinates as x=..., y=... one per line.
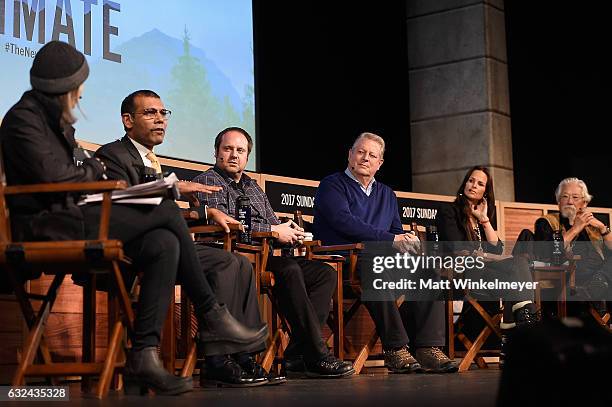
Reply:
x=401, y=361
x=435, y=361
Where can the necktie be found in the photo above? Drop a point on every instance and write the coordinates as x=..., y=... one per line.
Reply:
x=154, y=162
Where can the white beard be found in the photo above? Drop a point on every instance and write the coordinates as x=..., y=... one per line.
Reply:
x=569, y=212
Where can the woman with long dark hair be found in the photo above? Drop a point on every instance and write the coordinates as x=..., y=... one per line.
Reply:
x=38, y=146
x=466, y=228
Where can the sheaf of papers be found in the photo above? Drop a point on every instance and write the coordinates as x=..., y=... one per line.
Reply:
x=149, y=193
x=141, y=201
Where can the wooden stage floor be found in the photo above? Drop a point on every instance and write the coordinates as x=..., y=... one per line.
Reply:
x=373, y=388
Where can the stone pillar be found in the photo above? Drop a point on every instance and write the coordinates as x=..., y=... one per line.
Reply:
x=459, y=104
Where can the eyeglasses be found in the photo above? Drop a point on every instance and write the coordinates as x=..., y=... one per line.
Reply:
x=150, y=114
x=576, y=198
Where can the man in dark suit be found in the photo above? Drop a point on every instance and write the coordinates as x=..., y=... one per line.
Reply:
x=230, y=275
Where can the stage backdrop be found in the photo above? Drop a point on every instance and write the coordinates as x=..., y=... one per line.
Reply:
x=197, y=54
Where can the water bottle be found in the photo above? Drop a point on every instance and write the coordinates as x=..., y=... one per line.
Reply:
x=297, y=218
x=243, y=215
x=557, y=248
x=433, y=240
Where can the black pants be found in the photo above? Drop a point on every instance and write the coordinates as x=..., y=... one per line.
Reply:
x=304, y=290
x=419, y=322
x=515, y=269
x=232, y=280
x=158, y=241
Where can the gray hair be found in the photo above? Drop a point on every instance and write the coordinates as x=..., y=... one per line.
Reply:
x=375, y=138
x=573, y=180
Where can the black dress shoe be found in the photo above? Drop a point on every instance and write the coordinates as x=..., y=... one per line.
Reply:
x=143, y=370
x=257, y=371
x=230, y=374
x=220, y=332
x=328, y=367
x=294, y=364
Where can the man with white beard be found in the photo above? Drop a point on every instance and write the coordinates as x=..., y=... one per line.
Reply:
x=584, y=234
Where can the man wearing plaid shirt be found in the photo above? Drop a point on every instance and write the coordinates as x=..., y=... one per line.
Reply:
x=304, y=288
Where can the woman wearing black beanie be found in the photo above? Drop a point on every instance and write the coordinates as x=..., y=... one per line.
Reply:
x=38, y=145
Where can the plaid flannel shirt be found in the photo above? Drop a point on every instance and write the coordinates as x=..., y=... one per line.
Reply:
x=262, y=214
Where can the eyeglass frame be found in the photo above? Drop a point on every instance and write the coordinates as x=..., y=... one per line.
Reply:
x=164, y=113
x=573, y=197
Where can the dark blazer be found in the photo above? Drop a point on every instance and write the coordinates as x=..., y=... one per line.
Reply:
x=123, y=161
x=36, y=148
x=454, y=236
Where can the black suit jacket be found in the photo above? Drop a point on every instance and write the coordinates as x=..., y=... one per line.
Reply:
x=123, y=161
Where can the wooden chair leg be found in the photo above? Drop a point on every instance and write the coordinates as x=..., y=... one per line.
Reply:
x=338, y=311
x=468, y=345
x=364, y=352
x=27, y=312
x=89, y=327
x=110, y=362
x=477, y=345
x=602, y=320
x=187, y=339
x=123, y=296
x=473, y=349
x=190, y=361
x=36, y=332
x=268, y=357
x=450, y=328
x=114, y=317
x=492, y=322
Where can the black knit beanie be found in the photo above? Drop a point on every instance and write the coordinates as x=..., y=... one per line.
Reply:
x=58, y=68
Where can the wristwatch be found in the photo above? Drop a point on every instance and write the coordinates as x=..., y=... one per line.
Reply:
x=606, y=231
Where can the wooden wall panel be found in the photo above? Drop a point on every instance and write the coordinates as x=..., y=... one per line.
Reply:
x=10, y=315
x=359, y=329
x=65, y=330
x=11, y=336
x=70, y=295
x=517, y=219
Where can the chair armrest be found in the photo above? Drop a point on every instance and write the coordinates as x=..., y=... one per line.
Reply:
x=209, y=229
x=249, y=248
x=265, y=235
x=550, y=268
x=329, y=258
x=338, y=248
x=101, y=186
